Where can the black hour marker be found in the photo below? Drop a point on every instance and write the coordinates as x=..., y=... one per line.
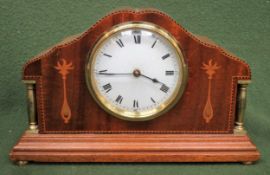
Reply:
x=169, y=72
x=164, y=88
x=137, y=39
x=119, y=99
x=107, y=87
x=135, y=104
x=165, y=56
x=120, y=43
x=102, y=71
x=153, y=100
x=153, y=45
x=107, y=55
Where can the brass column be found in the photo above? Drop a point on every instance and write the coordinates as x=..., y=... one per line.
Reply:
x=241, y=106
x=31, y=105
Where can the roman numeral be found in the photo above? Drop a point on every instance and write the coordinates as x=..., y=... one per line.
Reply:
x=153, y=100
x=102, y=71
x=165, y=56
x=164, y=88
x=137, y=39
x=107, y=87
x=153, y=45
x=135, y=104
x=107, y=55
x=119, y=99
x=120, y=43
x=169, y=72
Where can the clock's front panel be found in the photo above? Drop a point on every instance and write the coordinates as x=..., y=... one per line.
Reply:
x=131, y=77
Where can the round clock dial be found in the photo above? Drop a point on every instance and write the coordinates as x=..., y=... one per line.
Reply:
x=136, y=71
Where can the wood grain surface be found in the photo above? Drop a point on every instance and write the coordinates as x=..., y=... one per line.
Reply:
x=88, y=117
x=198, y=129
x=134, y=148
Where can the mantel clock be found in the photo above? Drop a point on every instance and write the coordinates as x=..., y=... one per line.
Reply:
x=136, y=87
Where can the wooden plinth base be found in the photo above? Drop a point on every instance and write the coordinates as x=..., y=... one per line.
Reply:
x=134, y=148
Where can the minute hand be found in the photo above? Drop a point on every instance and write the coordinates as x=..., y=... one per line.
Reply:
x=104, y=73
x=154, y=80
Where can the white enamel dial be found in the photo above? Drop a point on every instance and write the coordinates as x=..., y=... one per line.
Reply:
x=136, y=72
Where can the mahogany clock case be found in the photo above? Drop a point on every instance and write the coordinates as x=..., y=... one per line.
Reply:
x=200, y=127
x=87, y=117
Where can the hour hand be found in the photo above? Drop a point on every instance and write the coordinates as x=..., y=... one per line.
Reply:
x=154, y=80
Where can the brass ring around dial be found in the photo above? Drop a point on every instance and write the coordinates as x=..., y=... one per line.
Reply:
x=135, y=115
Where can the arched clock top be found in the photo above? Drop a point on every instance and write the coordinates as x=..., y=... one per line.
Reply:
x=190, y=43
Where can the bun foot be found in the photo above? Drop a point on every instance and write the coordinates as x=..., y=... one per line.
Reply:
x=21, y=162
x=247, y=163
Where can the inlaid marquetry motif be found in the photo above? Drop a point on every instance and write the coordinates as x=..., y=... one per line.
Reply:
x=63, y=70
x=210, y=70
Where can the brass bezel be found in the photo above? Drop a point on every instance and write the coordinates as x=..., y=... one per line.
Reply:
x=127, y=115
